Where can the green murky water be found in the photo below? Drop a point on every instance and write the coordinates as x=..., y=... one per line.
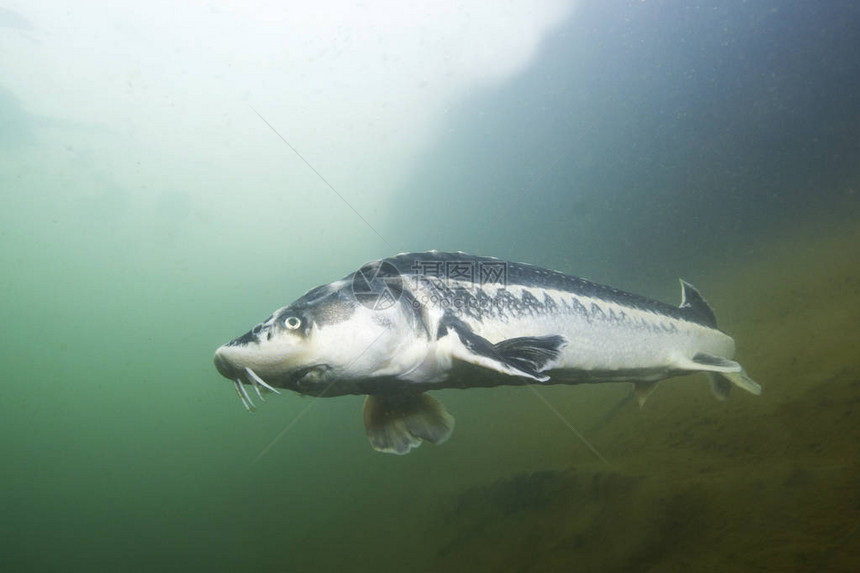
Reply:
x=148, y=215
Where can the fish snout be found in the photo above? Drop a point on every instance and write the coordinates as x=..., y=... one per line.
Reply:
x=223, y=365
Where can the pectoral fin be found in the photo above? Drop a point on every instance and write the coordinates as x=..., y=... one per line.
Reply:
x=524, y=356
x=534, y=353
x=397, y=423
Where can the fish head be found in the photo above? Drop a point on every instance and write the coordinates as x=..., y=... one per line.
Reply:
x=327, y=335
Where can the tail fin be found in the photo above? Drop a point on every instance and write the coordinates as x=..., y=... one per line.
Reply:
x=722, y=372
x=722, y=381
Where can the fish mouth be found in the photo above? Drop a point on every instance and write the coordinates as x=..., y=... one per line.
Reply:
x=241, y=378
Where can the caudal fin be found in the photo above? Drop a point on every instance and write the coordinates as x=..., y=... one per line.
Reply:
x=722, y=372
x=721, y=383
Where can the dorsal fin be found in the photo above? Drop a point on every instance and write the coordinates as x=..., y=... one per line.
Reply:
x=696, y=306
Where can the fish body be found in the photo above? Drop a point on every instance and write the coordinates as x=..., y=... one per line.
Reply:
x=404, y=325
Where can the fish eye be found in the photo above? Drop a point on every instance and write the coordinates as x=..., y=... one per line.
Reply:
x=292, y=322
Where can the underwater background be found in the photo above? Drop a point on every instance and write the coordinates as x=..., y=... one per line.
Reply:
x=151, y=209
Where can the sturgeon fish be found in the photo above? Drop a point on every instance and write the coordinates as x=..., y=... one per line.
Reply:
x=401, y=326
